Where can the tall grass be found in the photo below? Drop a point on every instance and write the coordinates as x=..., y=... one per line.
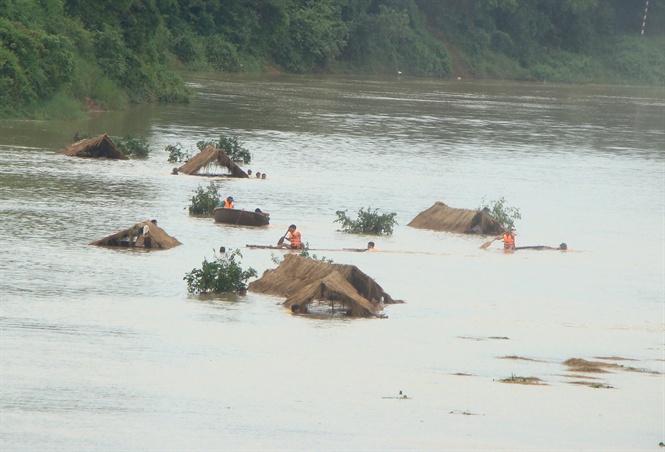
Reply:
x=60, y=106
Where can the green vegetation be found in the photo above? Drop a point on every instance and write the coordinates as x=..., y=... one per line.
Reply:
x=133, y=147
x=501, y=212
x=230, y=145
x=222, y=275
x=368, y=222
x=177, y=153
x=205, y=200
x=60, y=57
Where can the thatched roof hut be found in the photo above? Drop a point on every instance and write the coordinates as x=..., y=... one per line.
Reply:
x=304, y=281
x=209, y=158
x=98, y=147
x=153, y=238
x=440, y=217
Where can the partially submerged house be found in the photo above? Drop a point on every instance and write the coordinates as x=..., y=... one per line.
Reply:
x=145, y=234
x=440, y=217
x=98, y=147
x=209, y=160
x=310, y=282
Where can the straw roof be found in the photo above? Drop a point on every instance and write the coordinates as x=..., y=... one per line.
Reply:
x=440, y=217
x=98, y=147
x=303, y=280
x=211, y=157
x=336, y=290
x=133, y=237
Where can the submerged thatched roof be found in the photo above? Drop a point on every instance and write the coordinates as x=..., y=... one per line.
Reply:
x=333, y=289
x=98, y=147
x=133, y=237
x=440, y=217
x=304, y=280
x=211, y=157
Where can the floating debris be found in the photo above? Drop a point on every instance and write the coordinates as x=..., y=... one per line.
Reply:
x=400, y=396
x=522, y=380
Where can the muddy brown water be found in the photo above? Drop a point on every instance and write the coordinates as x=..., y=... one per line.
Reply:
x=104, y=349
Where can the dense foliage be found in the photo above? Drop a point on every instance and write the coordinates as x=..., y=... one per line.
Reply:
x=205, y=200
x=500, y=211
x=221, y=275
x=368, y=222
x=57, y=56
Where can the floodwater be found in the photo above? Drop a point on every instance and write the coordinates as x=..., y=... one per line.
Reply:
x=104, y=349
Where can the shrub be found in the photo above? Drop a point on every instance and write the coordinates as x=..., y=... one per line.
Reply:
x=222, y=55
x=501, y=212
x=135, y=147
x=233, y=149
x=368, y=222
x=222, y=275
x=204, y=201
x=176, y=153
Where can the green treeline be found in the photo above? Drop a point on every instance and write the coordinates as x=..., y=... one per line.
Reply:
x=57, y=56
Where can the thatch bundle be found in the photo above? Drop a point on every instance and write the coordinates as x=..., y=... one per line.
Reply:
x=156, y=238
x=304, y=280
x=336, y=290
x=207, y=159
x=99, y=147
x=440, y=217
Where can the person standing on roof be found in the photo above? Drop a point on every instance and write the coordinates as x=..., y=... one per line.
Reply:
x=227, y=203
x=294, y=238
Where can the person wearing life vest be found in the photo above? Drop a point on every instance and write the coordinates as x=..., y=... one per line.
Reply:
x=227, y=203
x=294, y=238
x=508, y=240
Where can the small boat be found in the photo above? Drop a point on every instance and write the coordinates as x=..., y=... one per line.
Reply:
x=242, y=217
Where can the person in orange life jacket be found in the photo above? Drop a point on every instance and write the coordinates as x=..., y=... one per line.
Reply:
x=294, y=238
x=508, y=240
x=371, y=247
x=227, y=203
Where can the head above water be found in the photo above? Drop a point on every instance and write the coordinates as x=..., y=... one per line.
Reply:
x=563, y=246
x=370, y=245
